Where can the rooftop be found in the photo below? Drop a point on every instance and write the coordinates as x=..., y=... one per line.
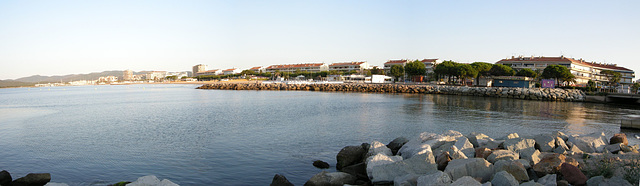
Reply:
x=296, y=65
x=347, y=64
x=397, y=61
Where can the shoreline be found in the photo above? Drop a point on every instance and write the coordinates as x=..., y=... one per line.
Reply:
x=452, y=158
x=541, y=94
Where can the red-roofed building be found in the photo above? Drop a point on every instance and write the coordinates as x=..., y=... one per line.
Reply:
x=349, y=66
x=231, y=71
x=584, y=71
x=390, y=63
x=305, y=67
x=257, y=69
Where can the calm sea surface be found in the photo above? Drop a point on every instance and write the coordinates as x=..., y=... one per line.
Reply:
x=98, y=135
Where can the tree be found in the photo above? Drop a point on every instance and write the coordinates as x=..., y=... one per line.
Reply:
x=415, y=68
x=376, y=70
x=591, y=85
x=634, y=88
x=396, y=71
x=558, y=72
x=172, y=78
x=465, y=71
x=483, y=69
x=501, y=70
x=247, y=72
x=613, y=78
x=527, y=73
x=446, y=68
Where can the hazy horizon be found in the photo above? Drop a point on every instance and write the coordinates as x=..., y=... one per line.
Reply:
x=50, y=38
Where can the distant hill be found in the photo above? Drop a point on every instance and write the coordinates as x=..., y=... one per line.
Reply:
x=73, y=77
x=12, y=83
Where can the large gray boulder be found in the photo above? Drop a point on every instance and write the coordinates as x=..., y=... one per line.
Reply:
x=350, y=155
x=519, y=144
x=380, y=159
x=406, y=180
x=419, y=164
x=464, y=145
x=425, y=141
x=494, y=144
x=548, y=180
x=454, y=153
x=595, y=181
x=590, y=143
x=478, y=139
x=515, y=168
x=531, y=183
x=446, y=147
x=151, y=180
x=435, y=179
x=561, y=135
x=32, y=179
x=396, y=144
x=616, y=181
x=503, y=155
x=474, y=167
x=280, y=180
x=5, y=178
x=504, y=178
x=467, y=181
x=377, y=147
x=511, y=136
x=331, y=179
x=561, y=143
x=545, y=143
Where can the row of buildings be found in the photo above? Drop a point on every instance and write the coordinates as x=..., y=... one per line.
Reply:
x=581, y=69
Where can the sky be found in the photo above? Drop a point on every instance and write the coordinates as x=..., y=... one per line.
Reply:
x=61, y=37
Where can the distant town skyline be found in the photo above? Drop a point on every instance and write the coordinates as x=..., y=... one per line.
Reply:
x=74, y=37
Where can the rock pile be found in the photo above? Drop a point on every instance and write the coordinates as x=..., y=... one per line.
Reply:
x=452, y=158
x=546, y=94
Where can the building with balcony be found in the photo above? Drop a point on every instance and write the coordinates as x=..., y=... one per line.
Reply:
x=304, y=67
x=390, y=63
x=349, y=66
x=582, y=70
x=430, y=64
x=156, y=75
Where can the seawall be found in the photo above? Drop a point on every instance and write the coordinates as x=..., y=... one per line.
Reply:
x=543, y=94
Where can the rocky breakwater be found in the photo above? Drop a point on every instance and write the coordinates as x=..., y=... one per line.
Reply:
x=546, y=94
x=452, y=158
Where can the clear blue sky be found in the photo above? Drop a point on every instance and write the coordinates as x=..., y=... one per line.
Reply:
x=72, y=37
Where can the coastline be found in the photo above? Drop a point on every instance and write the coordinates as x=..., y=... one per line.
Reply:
x=541, y=94
x=452, y=158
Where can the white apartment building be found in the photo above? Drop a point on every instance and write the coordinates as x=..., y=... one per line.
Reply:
x=349, y=66
x=582, y=70
x=305, y=67
x=231, y=71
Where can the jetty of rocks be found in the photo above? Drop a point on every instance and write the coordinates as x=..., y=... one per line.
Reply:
x=546, y=94
x=452, y=158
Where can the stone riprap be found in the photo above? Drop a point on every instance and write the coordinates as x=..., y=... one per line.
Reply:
x=427, y=160
x=546, y=94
